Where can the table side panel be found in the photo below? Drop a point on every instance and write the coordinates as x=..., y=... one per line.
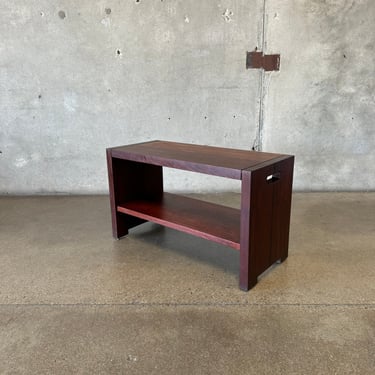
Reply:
x=248, y=276
x=256, y=225
x=129, y=180
x=119, y=225
x=282, y=199
x=265, y=218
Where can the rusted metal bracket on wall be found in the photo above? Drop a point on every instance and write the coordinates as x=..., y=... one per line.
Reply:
x=257, y=60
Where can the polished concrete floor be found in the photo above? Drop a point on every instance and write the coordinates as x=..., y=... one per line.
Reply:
x=75, y=301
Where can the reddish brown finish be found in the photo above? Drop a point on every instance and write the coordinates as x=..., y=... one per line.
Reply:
x=116, y=185
x=282, y=199
x=203, y=159
x=271, y=62
x=254, y=60
x=248, y=276
x=259, y=222
x=128, y=181
x=260, y=229
x=265, y=216
x=257, y=60
x=203, y=219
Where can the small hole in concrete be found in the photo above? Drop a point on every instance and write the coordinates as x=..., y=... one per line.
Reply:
x=62, y=14
x=118, y=52
x=205, y=117
x=344, y=56
x=169, y=118
x=227, y=15
x=137, y=1
x=40, y=96
x=108, y=11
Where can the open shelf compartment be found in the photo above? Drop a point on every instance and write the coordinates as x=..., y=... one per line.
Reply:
x=202, y=219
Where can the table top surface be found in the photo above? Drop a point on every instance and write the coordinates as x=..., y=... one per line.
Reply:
x=218, y=161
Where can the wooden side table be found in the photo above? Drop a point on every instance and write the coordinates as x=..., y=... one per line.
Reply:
x=259, y=229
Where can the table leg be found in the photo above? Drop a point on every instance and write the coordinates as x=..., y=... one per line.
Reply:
x=129, y=180
x=256, y=224
x=248, y=278
x=265, y=216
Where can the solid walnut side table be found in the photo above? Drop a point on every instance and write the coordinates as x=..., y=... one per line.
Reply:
x=259, y=229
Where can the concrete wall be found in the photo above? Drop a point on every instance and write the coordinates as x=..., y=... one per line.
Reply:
x=77, y=77
x=321, y=105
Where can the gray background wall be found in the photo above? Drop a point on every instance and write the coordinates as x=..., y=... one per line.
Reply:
x=77, y=77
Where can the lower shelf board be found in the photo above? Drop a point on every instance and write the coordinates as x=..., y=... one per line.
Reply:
x=203, y=219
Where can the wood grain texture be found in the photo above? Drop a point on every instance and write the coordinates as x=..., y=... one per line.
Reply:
x=282, y=200
x=248, y=276
x=203, y=159
x=261, y=204
x=115, y=183
x=203, y=219
x=129, y=180
x=265, y=218
x=260, y=229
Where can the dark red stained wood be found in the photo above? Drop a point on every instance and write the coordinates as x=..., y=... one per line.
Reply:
x=265, y=218
x=203, y=219
x=260, y=230
x=261, y=203
x=256, y=220
x=282, y=196
x=129, y=180
x=204, y=159
x=119, y=225
x=248, y=275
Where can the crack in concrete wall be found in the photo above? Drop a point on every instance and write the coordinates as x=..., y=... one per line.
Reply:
x=118, y=73
x=258, y=141
x=321, y=106
x=78, y=78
